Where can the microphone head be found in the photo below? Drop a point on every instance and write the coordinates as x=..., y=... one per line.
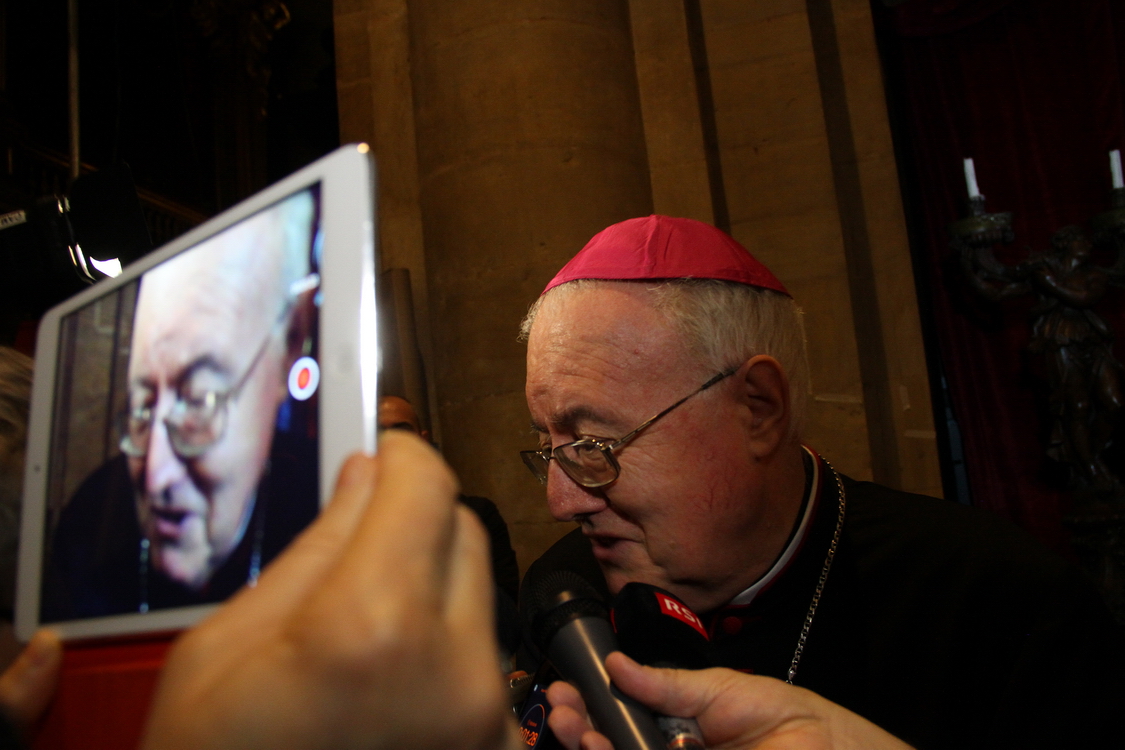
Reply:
x=655, y=628
x=560, y=597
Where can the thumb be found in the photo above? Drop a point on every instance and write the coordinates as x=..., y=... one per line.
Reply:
x=28, y=685
x=672, y=692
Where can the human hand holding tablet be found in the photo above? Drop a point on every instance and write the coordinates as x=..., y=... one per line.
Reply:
x=372, y=630
x=188, y=419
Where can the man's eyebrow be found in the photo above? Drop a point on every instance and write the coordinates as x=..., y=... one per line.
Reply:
x=202, y=362
x=568, y=418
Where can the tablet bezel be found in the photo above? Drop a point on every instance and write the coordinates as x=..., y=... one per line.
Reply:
x=348, y=358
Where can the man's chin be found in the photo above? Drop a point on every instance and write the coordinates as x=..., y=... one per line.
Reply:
x=189, y=574
x=616, y=578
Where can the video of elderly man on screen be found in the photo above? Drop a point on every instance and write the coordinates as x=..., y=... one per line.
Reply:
x=184, y=444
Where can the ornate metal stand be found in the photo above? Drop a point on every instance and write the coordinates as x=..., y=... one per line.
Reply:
x=1097, y=523
x=1086, y=381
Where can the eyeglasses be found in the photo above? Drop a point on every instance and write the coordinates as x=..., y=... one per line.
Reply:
x=197, y=420
x=590, y=462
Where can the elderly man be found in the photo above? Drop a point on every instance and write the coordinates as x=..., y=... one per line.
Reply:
x=346, y=639
x=666, y=378
x=207, y=487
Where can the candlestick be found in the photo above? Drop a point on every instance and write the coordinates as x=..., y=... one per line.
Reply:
x=971, y=179
x=1115, y=168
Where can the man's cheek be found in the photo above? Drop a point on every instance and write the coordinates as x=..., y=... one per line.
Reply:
x=187, y=559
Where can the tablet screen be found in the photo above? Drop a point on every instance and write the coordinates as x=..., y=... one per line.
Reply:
x=183, y=449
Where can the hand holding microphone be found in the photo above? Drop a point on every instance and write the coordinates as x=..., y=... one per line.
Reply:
x=734, y=710
x=656, y=629
x=652, y=625
x=570, y=624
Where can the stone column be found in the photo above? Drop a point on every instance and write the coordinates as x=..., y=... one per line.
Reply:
x=810, y=181
x=377, y=106
x=529, y=140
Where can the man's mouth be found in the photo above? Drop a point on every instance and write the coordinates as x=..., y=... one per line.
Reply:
x=604, y=546
x=168, y=523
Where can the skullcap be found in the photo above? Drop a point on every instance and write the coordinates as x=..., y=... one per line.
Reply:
x=661, y=247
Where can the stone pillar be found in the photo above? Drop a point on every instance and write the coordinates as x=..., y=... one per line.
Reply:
x=529, y=140
x=376, y=103
x=811, y=188
x=675, y=110
x=885, y=306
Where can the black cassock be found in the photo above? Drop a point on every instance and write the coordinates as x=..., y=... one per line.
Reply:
x=93, y=567
x=943, y=625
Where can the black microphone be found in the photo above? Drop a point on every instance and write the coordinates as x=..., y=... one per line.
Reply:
x=569, y=622
x=656, y=629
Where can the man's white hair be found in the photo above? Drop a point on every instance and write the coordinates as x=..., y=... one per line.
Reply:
x=725, y=323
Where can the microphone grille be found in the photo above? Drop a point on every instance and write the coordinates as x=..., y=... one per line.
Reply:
x=559, y=597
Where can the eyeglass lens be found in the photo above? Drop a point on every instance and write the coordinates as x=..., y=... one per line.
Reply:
x=587, y=462
x=192, y=428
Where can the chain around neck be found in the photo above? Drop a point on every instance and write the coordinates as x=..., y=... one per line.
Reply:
x=823, y=577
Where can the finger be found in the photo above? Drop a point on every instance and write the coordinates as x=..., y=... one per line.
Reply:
x=561, y=693
x=568, y=725
x=299, y=570
x=729, y=705
x=592, y=740
x=567, y=719
x=385, y=595
x=401, y=547
x=673, y=692
x=471, y=632
x=28, y=685
x=469, y=607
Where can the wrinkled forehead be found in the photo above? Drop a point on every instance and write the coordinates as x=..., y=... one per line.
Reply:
x=610, y=330
x=246, y=260
x=234, y=282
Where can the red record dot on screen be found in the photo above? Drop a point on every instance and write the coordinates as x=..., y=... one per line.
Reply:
x=304, y=377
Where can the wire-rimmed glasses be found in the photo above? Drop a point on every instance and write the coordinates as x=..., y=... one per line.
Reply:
x=590, y=461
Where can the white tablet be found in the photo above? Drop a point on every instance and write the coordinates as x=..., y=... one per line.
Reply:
x=188, y=417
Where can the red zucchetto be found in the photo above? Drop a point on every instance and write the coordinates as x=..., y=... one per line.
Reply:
x=661, y=247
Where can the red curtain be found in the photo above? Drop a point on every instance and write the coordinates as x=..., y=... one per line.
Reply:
x=1032, y=91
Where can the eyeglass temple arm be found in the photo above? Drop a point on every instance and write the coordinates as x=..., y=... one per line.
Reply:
x=647, y=422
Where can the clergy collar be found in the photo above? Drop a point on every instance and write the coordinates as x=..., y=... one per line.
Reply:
x=813, y=480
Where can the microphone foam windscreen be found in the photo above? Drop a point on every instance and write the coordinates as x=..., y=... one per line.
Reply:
x=560, y=597
x=654, y=627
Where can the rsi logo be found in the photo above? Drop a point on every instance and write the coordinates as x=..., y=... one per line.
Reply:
x=670, y=606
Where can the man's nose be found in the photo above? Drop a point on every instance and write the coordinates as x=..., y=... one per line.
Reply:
x=163, y=468
x=566, y=499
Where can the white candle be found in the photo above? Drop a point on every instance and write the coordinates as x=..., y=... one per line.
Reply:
x=1115, y=168
x=971, y=179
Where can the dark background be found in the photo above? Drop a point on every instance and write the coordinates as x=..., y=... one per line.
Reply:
x=207, y=101
x=1032, y=91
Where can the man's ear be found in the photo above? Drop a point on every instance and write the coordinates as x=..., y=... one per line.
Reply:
x=765, y=392
x=300, y=328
